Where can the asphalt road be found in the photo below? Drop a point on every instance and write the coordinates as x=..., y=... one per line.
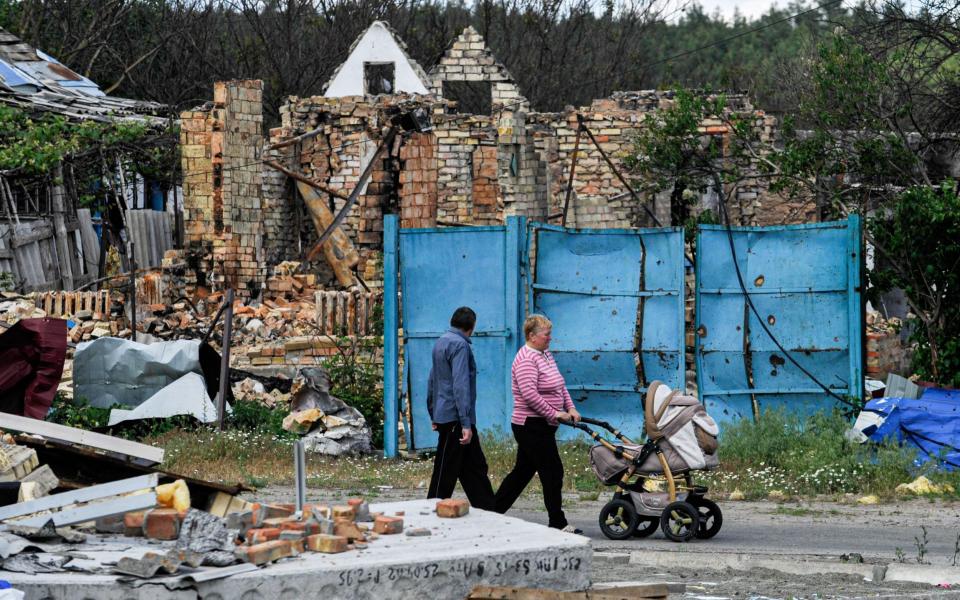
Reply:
x=809, y=529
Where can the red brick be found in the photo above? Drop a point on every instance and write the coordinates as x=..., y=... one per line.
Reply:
x=133, y=523
x=347, y=529
x=344, y=512
x=162, y=524
x=259, y=536
x=388, y=525
x=328, y=544
x=305, y=527
x=452, y=508
x=265, y=552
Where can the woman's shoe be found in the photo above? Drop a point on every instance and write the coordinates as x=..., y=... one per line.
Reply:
x=572, y=529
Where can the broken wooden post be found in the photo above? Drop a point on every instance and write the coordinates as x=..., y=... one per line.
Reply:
x=338, y=250
x=225, y=358
x=573, y=170
x=64, y=255
x=133, y=293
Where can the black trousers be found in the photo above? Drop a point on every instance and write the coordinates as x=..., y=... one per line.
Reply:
x=536, y=453
x=464, y=462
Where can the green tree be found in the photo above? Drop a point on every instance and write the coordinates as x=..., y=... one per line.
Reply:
x=920, y=239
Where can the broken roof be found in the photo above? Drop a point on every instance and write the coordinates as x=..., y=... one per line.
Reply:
x=379, y=43
x=34, y=81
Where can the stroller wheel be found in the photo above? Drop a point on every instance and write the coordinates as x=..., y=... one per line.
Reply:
x=680, y=521
x=711, y=518
x=618, y=519
x=645, y=527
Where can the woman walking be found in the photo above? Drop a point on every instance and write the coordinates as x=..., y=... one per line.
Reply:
x=540, y=399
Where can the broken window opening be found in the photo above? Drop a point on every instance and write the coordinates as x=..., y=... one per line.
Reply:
x=378, y=78
x=472, y=97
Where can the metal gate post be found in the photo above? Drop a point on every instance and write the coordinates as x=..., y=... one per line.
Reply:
x=855, y=305
x=391, y=354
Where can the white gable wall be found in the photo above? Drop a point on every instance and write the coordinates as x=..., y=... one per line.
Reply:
x=376, y=46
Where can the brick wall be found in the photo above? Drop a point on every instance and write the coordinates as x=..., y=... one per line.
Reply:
x=221, y=147
x=469, y=59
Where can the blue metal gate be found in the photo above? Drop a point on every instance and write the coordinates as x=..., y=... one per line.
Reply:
x=616, y=300
x=440, y=270
x=615, y=297
x=804, y=281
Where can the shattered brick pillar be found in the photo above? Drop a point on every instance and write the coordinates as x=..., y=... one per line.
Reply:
x=418, y=181
x=518, y=163
x=486, y=209
x=279, y=204
x=222, y=188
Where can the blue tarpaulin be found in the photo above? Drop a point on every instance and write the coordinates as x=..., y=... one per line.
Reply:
x=931, y=424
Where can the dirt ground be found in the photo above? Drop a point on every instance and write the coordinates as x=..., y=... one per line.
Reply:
x=817, y=531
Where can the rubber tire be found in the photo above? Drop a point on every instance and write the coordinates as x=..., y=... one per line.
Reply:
x=683, y=510
x=625, y=514
x=645, y=527
x=707, y=509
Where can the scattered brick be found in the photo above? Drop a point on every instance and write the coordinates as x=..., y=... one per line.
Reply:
x=133, y=523
x=344, y=512
x=114, y=524
x=162, y=524
x=452, y=508
x=264, y=553
x=388, y=525
x=328, y=544
x=417, y=532
x=347, y=529
x=259, y=536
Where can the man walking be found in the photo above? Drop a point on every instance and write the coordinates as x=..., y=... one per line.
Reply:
x=452, y=404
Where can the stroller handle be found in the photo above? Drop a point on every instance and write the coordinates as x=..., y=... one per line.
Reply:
x=602, y=424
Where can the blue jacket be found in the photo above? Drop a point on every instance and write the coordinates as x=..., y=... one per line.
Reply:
x=452, y=387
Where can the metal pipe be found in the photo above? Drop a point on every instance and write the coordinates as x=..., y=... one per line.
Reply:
x=225, y=359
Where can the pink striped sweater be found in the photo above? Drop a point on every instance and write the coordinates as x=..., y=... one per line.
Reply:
x=538, y=387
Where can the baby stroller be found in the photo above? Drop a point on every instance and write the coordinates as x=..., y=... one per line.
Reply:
x=681, y=439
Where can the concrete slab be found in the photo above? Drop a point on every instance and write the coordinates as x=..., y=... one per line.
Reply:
x=480, y=548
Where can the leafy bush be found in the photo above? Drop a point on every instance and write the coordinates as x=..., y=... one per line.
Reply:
x=918, y=250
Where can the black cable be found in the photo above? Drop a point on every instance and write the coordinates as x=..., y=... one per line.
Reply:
x=749, y=300
x=914, y=434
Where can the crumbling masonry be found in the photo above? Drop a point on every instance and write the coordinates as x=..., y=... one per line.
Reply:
x=243, y=217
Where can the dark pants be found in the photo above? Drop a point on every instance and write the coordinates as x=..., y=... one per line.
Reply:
x=536, y=453
x=464, y=462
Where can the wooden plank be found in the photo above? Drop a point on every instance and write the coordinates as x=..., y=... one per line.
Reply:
x=91, y=244
x=154, y=246
x=82, y=437
x=91, y=512
x=87, y=494
x=32, y=234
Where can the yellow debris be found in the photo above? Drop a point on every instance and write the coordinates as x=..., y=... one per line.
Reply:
x=302, y=421
x=922, y=486
x=737, y=495
x=871, y=499
x=174, y=495
x=776, y=495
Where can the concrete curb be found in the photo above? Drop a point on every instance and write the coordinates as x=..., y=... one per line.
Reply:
x=788, y=564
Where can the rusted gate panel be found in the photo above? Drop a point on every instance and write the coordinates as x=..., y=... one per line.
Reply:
x=804, y=281
x=615, y=297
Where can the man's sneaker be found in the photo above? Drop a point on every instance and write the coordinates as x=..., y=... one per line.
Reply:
x=572, y=529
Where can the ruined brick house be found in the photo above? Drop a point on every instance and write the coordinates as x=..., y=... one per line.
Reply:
x=488, y=155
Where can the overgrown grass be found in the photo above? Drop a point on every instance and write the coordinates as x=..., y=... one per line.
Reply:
x=781, y=454
x=785, y=454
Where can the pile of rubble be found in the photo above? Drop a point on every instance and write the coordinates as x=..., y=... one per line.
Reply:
x=179, y=534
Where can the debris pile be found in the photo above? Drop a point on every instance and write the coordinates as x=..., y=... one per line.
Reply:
x=331, y=426
x=184, y=524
